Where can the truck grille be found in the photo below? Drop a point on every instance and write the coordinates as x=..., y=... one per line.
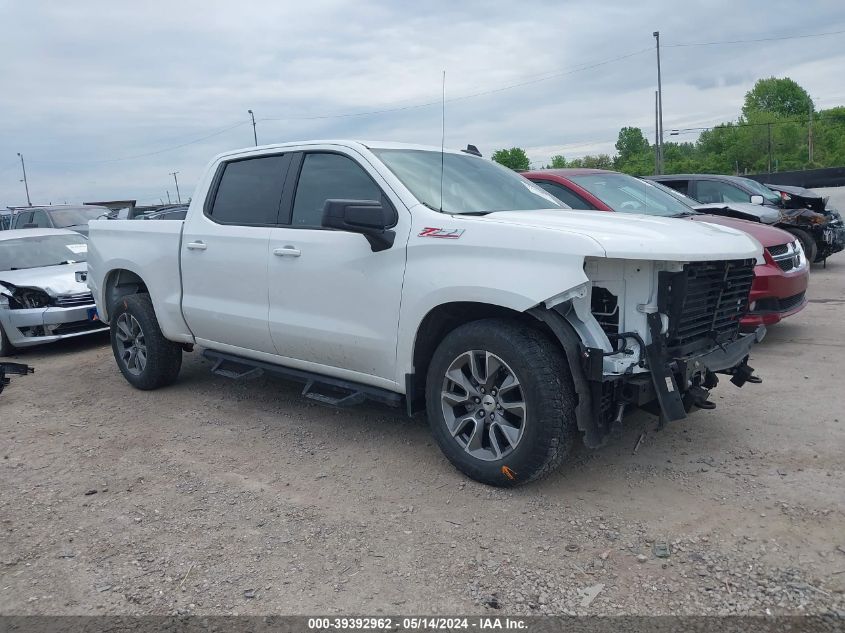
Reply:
x=704, y=303
x=74, y=300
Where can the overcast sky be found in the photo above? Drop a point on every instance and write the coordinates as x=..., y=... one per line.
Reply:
x=99, y=95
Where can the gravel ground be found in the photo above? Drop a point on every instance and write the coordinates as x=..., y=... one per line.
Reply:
x=219, y=497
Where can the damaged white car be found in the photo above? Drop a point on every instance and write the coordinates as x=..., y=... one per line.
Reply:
x=43, y=294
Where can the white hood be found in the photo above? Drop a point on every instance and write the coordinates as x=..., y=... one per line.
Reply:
x=632, y=236
x=54, y=280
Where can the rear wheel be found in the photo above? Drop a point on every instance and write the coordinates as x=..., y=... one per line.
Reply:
x=145, y=357
x=500, y=402
x=811, y=250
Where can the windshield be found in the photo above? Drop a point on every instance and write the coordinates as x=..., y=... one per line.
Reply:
x=631, y=195
x=470, y=184
x=761, y=190
x=42, y=250
x=63, y=218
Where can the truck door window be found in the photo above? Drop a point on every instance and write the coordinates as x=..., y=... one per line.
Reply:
x=714, y=191
x=326, y=177
x=250, y=191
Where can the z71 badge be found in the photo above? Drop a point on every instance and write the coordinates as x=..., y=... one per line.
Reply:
x=446, y=234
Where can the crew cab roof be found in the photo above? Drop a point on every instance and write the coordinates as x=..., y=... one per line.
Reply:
x=348, y=143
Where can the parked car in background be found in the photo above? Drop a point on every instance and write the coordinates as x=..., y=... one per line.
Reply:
x=5, y=219
x=430, y=279
x=780, y=280
x=739, y=210
x=175, y=212
x=821, y=231
x=43, y=294
x=60, y=216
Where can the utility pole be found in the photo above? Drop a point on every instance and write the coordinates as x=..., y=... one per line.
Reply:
x=769, y=125
x=656, y=35
x=24, y=181
x=810, y=140
x=254, y=133
x=656, y=137
x=178, y=197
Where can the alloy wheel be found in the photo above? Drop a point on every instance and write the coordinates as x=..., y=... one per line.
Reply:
x=483, y=405
x=132, y=347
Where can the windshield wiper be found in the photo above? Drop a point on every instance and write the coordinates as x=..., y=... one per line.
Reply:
x=684, y=214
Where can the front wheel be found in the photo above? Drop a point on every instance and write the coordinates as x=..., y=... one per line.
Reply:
x=809, y=245
x=146, y=359
x=500, y=402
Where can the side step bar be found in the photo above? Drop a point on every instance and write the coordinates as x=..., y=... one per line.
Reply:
x=324, y=389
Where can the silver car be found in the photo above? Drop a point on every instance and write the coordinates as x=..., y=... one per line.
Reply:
x=43, y=296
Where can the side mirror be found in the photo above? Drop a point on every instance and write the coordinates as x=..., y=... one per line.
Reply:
x=370, y=218
x=757, y=199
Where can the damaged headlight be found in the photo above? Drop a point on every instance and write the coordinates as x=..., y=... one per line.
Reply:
x=29, y=298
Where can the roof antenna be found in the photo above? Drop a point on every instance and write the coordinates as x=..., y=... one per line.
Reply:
x=442, y=137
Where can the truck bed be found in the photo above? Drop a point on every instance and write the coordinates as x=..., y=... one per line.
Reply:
x=149, y=250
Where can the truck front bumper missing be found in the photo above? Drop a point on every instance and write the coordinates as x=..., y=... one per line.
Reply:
x=672, y=386
x=681, y=383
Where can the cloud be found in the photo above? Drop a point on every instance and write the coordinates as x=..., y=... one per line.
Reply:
x=88, y=83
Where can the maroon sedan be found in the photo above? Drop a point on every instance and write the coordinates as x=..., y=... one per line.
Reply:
x=779, y=284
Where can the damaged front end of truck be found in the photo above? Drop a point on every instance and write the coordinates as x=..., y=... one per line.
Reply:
x=652, y=335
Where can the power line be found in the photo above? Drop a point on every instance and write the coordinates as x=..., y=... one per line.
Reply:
x=540, y=78
x=530, y=80
x=761, y=39
x=147, y=154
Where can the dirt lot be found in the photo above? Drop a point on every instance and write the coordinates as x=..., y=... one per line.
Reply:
x=240, y=497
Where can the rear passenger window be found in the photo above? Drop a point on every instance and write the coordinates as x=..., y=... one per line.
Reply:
x=327, y=177
x=708, y=191
x=250, y=191
x=677, y=185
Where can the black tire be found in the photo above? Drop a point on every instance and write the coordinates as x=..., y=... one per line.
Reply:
x=6, y=348
x=809, y=245
x=549, y=426
x=163, y=358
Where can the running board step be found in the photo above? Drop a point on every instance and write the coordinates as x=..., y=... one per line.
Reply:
x=331, y=395
x=235, y=370
x=324, y=389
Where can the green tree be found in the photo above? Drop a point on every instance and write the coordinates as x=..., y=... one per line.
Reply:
x=558, y=162
x=631, y=144
x=515, y=158
x=783, y=97
x=600, y=161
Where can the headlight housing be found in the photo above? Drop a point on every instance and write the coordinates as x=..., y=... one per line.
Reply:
x=29, y=298
x=799, y=253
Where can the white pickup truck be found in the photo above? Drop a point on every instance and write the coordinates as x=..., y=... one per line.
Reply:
x=435, y=280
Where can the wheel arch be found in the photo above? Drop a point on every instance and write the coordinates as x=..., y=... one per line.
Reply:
x=443, y=319
x=119, y=283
